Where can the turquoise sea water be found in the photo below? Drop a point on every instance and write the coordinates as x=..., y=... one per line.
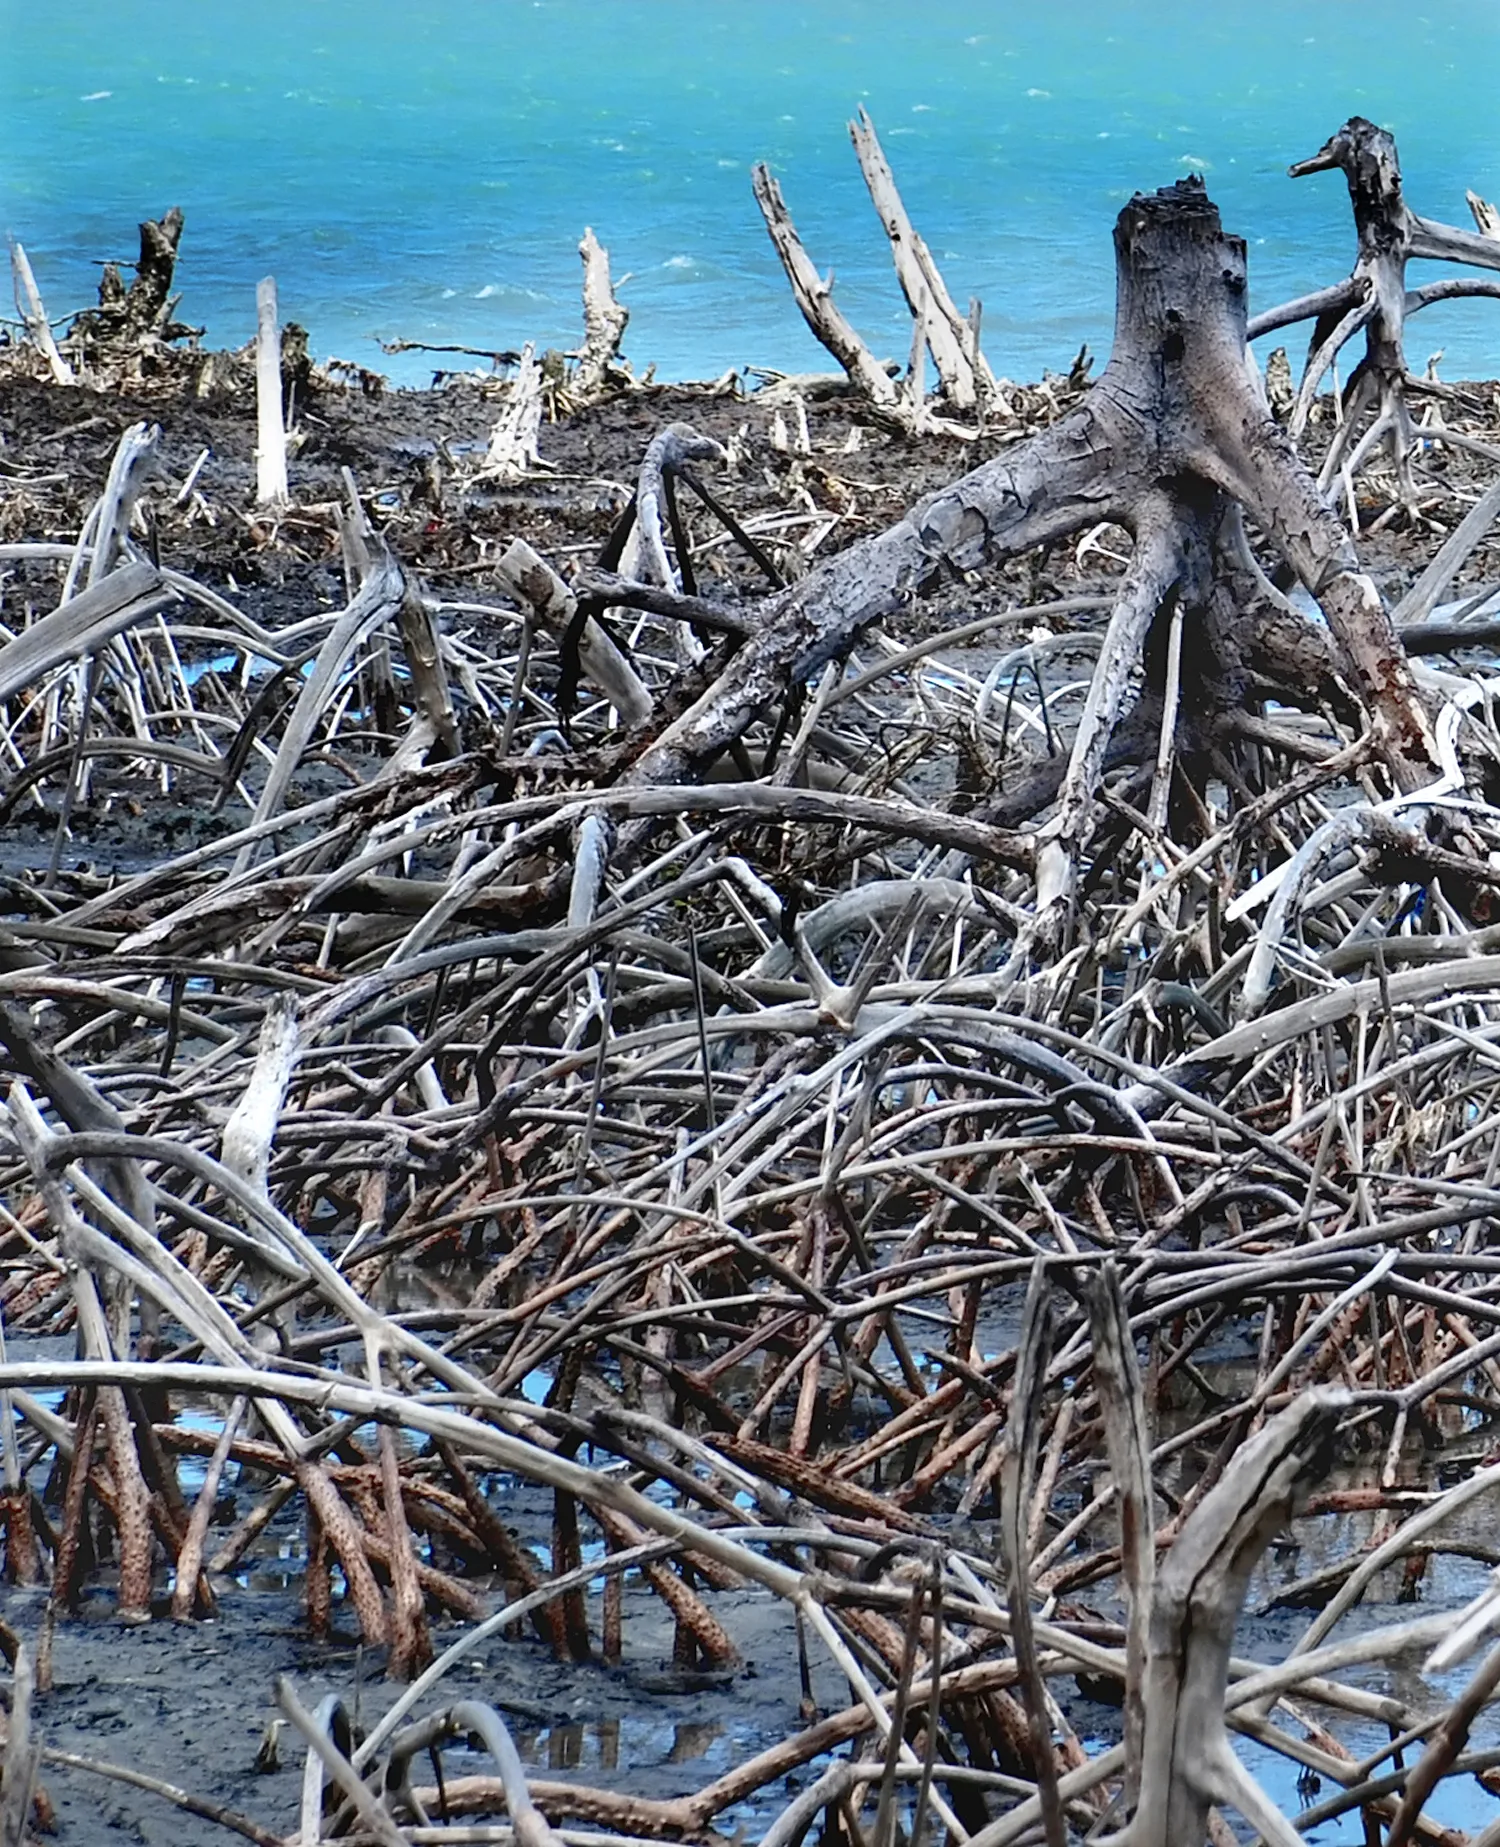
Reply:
x=424, y=168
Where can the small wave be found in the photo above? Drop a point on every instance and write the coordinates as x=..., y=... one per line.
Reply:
x=96, y=96
x=1195, y=161
x=921, y=108
x=507, y=291
x=680, y=262
x=1046, y=95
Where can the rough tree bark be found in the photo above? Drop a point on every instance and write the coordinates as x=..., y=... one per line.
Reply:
x=1375, y=297
x=145, y=311
x=1171, y=438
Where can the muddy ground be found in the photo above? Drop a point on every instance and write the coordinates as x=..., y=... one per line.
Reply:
x=414, y=457
x=192, y=1704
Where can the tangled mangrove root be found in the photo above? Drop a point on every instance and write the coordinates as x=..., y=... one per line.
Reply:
x=845, y=1079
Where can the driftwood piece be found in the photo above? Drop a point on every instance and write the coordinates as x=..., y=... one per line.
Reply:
x=1451, y=557
x=129, y=469
x=599, y=367
x=668, y=454
x=513, y=451
x=270, y=432
x=1186, y=1762
x=814, y=296
x=1127, y=1438
x=250, y=1130
x=83, y=624
x=33, y=314
x=429, y=674
x=946, y=332
x=523, y=574
x=377, y=601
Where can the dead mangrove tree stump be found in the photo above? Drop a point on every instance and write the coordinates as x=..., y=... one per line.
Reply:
x=1172, y=443
x=1374, y=297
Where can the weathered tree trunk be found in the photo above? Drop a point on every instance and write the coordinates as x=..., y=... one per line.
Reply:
x=513, y=452
x=144, y=312
x=149, y=303
x=1174, y=434
x=270, y=431
x=1375, y=297
x=947, y=333
x=814, y=297
x=599, y=364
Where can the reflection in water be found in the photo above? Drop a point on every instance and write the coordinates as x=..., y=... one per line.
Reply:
x=603, y=1744
x=690, y=1742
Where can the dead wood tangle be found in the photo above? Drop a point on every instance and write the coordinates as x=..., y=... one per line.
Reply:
x=909, y=983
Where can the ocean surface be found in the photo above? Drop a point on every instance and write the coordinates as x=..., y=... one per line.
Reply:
x=423, y=169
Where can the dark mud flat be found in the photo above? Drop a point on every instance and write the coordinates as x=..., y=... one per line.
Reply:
x=191, y=1705
x=413, y=455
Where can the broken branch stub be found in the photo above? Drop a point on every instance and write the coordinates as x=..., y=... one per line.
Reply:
x=33, y=314
x=948, y=335
x=1199, y=1591
x=270, y=431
